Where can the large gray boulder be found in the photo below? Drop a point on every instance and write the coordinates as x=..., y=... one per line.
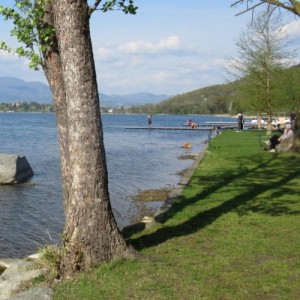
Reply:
x=14, y=169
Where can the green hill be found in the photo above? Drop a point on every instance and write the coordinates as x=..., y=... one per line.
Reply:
x=208, y=100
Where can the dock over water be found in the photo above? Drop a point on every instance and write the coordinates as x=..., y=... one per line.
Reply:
x=171, y=128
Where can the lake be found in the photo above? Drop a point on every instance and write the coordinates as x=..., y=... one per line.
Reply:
x=32, y=216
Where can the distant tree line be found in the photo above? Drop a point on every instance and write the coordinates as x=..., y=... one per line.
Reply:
x=26, y=107
x=38, y=107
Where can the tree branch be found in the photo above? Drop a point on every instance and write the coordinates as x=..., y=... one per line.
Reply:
x=94, y=7
x=293, y=7
x=249, y=8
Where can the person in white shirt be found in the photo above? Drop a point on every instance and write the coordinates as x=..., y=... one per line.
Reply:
x=286, y=141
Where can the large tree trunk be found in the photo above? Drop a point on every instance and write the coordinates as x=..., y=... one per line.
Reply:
x=91, y=233
x=53, y=71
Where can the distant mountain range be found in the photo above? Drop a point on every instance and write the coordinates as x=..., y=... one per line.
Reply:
x=14, y=89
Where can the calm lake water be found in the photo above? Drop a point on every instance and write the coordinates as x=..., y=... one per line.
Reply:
x=32, y=216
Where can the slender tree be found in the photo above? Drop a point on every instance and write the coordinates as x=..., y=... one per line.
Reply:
x=60, y=31
x=292, y=6
x=261, y=62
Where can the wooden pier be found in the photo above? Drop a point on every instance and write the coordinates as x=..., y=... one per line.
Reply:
x=171, y=128
x=225, y=125
x=209, y=126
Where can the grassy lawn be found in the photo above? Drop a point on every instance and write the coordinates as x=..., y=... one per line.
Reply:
x=233, y=234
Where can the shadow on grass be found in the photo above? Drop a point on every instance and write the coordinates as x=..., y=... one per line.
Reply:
x=273, y=175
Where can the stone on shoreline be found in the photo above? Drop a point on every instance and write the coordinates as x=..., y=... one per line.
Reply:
x=14, y=169
x=18, y=272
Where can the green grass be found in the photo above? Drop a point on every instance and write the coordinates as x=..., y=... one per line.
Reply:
x=233, y=234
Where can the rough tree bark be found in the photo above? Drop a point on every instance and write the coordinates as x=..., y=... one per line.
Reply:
x=91, y=233
x=53, y=70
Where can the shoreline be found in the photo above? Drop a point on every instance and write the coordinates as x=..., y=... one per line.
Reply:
x=184, y=180
x=175, y=192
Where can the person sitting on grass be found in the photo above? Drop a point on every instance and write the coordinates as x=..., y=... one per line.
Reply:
x=283, y=143
x=272, y=143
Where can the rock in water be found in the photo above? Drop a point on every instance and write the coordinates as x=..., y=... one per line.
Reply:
x=14, y=169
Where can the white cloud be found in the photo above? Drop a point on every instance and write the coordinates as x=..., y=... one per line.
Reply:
x=172, y=42
x=9, y=57
x=293, y=30
x=142, y=47
x=138, y=52
x=136, y=61
x=158, y=77
x=138, y=48
x=166, y=65
x=162, y=73
x=165, y=77
x=220, y=61
x=104, y=53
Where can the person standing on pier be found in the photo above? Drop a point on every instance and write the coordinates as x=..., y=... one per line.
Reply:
x=149, y=120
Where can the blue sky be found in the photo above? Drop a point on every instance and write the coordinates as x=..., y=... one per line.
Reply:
x=169, y=47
